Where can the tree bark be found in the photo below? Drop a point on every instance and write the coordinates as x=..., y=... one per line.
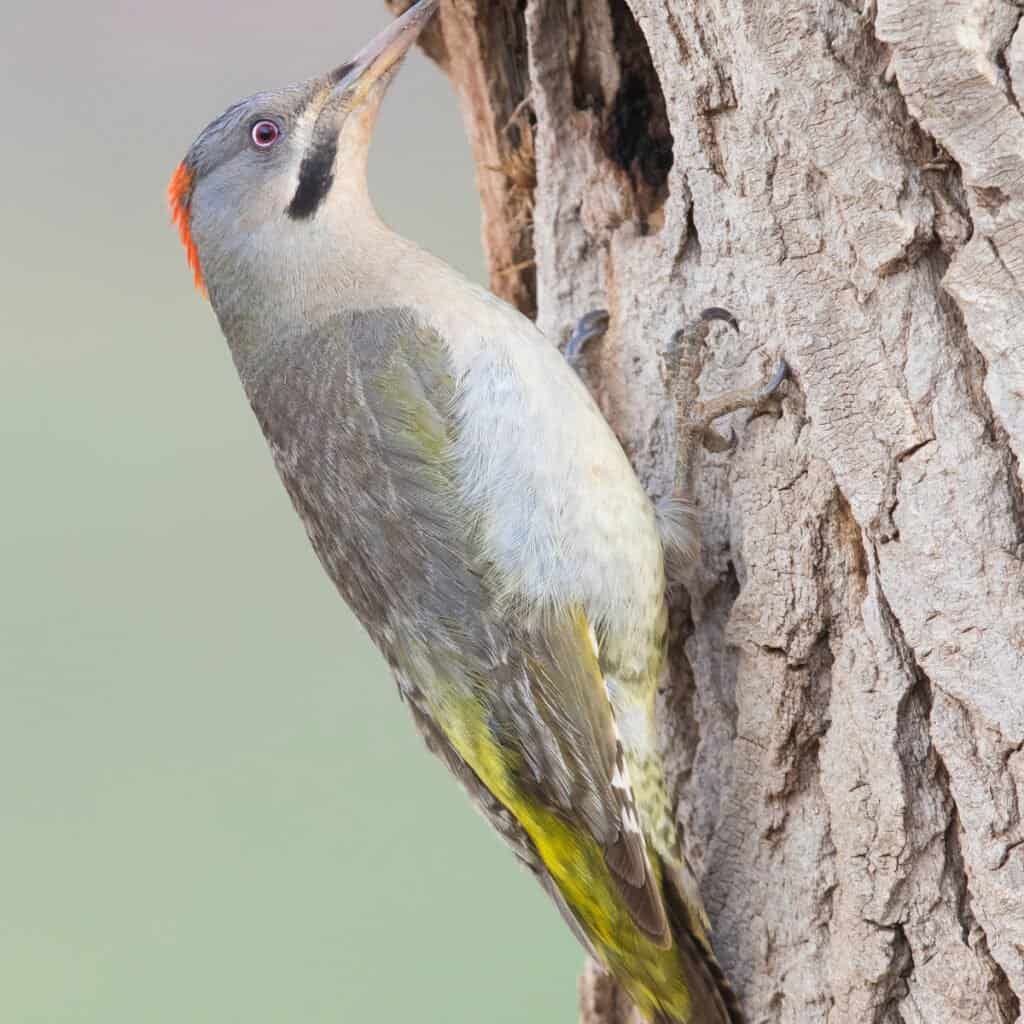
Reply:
x=846, y=722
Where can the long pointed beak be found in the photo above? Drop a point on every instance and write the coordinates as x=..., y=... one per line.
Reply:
x=351, y=82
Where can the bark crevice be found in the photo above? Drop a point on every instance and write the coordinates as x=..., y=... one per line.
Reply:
x=954, y=879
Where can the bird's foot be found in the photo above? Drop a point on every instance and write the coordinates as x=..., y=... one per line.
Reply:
x=588, y=328
x=682, y=361
x=694, y=418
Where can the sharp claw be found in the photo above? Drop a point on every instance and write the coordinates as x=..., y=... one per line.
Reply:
x=781, y=373
x=680, y=338
x=714, y=442
x=717, y=313
x=593, y=325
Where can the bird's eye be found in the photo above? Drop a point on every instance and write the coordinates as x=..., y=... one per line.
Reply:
x=265, y=134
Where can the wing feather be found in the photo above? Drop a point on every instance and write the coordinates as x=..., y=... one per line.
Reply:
x=534, y=679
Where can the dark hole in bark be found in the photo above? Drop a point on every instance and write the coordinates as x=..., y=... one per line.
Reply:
x=637, y=134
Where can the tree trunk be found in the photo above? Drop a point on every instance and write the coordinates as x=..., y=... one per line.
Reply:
x=846, y=724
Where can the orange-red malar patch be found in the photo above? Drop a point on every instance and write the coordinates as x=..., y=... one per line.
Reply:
x=179, y=195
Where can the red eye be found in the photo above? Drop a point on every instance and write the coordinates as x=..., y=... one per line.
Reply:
x=265, y=134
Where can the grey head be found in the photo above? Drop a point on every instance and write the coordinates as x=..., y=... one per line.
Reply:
x=256, y=181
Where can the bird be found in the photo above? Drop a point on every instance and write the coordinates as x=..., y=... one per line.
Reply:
x=470, y=503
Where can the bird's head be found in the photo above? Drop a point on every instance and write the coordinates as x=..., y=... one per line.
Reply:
x=279, y=158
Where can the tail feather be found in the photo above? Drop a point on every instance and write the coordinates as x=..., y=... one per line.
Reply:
x=686, y=985
x=713, y=997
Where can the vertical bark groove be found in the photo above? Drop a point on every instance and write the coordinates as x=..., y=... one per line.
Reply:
x=845, y=721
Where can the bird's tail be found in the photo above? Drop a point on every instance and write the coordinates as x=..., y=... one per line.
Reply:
x=680, y=983
x=713, y=999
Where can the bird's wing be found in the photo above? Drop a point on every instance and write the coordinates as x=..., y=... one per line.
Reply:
x=534, y=725
x=562, y=761
x=520, y=698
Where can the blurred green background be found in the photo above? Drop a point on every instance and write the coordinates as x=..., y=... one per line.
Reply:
x=213, y=807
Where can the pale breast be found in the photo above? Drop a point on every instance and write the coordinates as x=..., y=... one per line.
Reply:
x=564, y=517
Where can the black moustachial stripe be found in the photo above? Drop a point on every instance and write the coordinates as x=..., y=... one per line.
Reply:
x=316, y=174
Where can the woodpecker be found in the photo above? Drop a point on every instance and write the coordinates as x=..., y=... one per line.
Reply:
x=471, y=504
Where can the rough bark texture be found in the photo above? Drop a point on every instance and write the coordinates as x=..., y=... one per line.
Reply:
x=846, y=726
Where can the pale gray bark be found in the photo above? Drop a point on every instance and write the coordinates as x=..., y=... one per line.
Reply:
x=847, y=723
